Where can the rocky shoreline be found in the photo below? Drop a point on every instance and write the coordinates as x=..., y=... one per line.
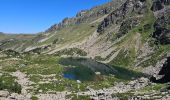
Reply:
x=102, y=94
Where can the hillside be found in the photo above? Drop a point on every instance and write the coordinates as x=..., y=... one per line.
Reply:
x=118, y=50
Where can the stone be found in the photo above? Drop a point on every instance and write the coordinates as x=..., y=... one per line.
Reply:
x=97, y=73
x=40, y=91
x=13, y=96
x=4, y=93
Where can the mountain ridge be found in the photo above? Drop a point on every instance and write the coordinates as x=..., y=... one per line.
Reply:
x=84, y=15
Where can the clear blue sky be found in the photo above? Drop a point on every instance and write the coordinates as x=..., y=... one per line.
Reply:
x=31, y=16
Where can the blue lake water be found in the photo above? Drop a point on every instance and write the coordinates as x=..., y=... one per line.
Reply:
x=70, y=76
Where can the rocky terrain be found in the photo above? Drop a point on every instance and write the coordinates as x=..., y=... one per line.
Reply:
x=116, y=51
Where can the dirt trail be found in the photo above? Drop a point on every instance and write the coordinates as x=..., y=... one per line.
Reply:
x=23, y=81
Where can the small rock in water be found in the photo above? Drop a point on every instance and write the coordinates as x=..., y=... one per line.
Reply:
x=78, y=81
x=97, y=73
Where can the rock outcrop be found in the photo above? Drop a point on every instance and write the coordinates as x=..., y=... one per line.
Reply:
x=4, y=93
x=162, y=27
x=116, y=17
x=106, y=94
x=85, y=16
x=163, y=73
x=127, y=25
x=159, y=4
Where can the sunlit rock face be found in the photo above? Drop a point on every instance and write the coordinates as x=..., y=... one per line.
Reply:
x=164, y=74
x=165, y=71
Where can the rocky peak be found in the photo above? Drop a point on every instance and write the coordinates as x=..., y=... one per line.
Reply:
x=87, y=15
x=81, y=13
x=118, y=16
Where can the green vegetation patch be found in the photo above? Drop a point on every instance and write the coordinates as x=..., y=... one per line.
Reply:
x=51, y=86
x=75, y=97
x=42, y=64
x=8, y=82
x=124, y=58
x=34, y=98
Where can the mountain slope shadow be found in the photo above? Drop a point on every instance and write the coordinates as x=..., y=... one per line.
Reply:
x=127, y=74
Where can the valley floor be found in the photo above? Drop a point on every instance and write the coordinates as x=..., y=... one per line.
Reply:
x=26, y=77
